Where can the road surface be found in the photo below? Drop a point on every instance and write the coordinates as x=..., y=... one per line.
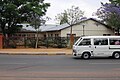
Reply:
x=57, y=67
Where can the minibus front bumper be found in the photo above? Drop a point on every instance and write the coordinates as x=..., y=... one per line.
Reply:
x=75, y=54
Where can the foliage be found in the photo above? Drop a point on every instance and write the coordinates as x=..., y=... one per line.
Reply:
x=110, y=13
x=31, y=42
x=14, y=12
x=116, y=2
x=10, y=43
x=36, y=21
x=70, y=16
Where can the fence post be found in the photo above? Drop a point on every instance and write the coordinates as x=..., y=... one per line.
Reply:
x=25, y=41
x=1, y=41
x=47, y=42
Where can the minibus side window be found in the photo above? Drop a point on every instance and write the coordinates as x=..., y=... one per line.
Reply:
x=99, y=41
x=114, y=41
x=85, y=42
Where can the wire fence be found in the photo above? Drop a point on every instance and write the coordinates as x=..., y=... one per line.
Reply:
x=29, y=42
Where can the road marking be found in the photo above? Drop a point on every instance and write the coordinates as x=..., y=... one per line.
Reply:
x=12, y=63
x=104, y=63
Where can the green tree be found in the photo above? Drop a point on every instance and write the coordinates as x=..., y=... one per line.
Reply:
x=117, y=2
x=70, y=16
x=36, y=21
x=14, y=12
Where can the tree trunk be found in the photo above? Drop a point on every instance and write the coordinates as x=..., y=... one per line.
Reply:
x=71, y=38
x=36, y=45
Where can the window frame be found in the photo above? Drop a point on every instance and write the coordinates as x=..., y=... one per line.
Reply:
x=100, y=41
x=114, y=41
x=86, y=43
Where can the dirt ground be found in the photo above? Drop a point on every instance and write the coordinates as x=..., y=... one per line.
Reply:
x=36, y=51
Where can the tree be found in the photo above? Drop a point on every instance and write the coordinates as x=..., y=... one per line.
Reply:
x=117, y=2
x=36, y=21
x=110, y=14
x=14, y=12
x=70, y=16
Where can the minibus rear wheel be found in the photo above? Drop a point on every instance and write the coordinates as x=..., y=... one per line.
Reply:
x=86, y=55
x=116, y=55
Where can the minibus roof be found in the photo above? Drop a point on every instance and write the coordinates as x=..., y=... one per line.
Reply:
x=101, y=37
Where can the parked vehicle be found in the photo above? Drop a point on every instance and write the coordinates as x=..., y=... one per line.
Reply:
x=97, y=46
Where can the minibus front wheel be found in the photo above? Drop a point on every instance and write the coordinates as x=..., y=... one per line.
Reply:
x=116, y=55
x=86, y=55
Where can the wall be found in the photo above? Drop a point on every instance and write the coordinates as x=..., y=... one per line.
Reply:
x=51, y=34
x=90, y=28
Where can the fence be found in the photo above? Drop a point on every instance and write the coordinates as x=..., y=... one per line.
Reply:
x=29, y=42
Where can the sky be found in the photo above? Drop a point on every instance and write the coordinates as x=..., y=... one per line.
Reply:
x=58, y=6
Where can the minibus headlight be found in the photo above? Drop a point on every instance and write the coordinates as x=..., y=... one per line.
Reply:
x=74, y=51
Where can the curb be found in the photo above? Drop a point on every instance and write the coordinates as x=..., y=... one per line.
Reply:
x=29, y=53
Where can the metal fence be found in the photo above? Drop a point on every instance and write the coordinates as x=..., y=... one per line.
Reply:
x=29, y=42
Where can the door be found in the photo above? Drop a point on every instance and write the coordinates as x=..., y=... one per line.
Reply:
x=100, y=47
x=84, y=45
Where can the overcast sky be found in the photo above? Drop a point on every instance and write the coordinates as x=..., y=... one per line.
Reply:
x=58, y=6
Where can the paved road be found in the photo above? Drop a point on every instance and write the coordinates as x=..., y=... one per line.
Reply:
x=28, y=67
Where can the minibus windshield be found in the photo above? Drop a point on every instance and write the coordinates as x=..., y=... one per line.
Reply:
x=77, y=41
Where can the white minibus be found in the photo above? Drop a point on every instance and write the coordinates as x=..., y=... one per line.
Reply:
x=97, y=46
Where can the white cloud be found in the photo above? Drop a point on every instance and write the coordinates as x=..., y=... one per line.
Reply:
x=58, y=6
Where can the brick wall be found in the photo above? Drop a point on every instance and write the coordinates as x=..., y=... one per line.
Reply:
x=1, y=41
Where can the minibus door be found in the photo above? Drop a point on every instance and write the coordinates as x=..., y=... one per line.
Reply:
x=100, y=47
x=84, y=45
x=101, y=50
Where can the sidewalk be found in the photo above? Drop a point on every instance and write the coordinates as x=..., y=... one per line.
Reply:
x=31, y=51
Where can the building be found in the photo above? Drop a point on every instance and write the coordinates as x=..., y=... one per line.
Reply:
x=88, y=27
x=50, y=35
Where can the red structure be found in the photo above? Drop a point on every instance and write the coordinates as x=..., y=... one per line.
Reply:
x=1, y=41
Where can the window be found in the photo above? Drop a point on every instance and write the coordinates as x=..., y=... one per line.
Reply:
x=68, y=35
x=78, y=41
x=101, y=41
x=85, y=42
x=106, y=34
x=28, y=34
x=48, y=35
x=45, y=36
x=56, y=35
x=23, y=35
x=114, y=41
x=51, y=35
x=19, y=35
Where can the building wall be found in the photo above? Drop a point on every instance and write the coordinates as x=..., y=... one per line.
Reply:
x=89, y=27
x=51, y=34
x=28, y=34
x=25, y=34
